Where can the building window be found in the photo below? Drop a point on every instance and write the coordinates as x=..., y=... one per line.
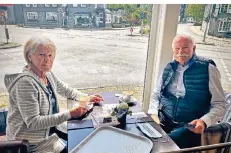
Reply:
x=54, y=5
x=47, y=5
x=223, y=8
x=119, y=19
x=100, y=14
x=34, y=5
x=83, y=5
x=95, y=5
x=64, y=5
x=82, y=20
x=108, y=18
x=224, y=26
x=27, y=5
x=75, y=5
x=32, y=15
x=51, y=16
x=229, y=8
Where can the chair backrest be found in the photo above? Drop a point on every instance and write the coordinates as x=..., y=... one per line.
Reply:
x=202, y=148
x=227, y=116
x=14, y=146
x=3, y=114
x=219, y=133
x=228, y=97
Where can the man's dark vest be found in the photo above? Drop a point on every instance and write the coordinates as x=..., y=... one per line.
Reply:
x=196, y=101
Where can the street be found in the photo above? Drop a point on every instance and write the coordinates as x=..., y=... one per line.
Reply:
x=84, y=58
x=99, y=58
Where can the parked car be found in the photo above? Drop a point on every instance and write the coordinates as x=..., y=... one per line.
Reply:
x=197, y=24
x=227, y=35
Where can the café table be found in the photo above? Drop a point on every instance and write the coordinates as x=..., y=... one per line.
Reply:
x=78, y=130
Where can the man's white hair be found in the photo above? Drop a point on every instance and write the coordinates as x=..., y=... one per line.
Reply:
x=183, y=36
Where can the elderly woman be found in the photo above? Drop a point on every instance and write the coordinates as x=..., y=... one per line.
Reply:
x=33, y=109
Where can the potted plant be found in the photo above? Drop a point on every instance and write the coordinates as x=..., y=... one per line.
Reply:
x=121, y=111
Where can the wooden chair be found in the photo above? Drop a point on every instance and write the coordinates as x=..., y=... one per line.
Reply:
x=14, y=146
x=200, y=149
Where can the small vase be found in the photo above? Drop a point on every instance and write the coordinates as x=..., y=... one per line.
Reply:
x=122, y=121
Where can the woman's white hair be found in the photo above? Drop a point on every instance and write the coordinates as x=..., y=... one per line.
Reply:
x=32, y=44
x=183, y=36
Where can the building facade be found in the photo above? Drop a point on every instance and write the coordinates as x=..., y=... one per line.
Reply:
x=218, y=17
x=66, y=15
x=42, y=15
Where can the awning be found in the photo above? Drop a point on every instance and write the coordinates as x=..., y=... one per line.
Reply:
x=3, y=8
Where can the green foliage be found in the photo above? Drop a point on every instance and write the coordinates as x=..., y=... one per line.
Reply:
x=121, y=110
x=132, y=12
x=146, y=30
x=196, y=11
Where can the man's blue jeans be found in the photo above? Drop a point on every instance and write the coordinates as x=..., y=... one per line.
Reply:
x=185, y=138
x=182, y=136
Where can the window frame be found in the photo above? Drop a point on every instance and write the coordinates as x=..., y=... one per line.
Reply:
x=100, y=15
x=52, y=19
x=47, y=5
x=54, y=5
x=83, y=5
x=108, y=18
x=27, y=5
x=34, y=5
x=100, y=20
x=28, y=14
x=223, y=6
x=229, y=8
x=224, y=25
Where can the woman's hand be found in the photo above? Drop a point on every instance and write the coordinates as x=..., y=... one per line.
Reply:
x=78, y=111
x=96, y=98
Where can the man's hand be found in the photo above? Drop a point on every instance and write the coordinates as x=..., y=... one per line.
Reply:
x=155, y=118
x=200, y=126
x=96, y=98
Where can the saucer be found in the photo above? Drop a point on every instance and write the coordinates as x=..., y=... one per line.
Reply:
x=132, y=101
x=89, y=106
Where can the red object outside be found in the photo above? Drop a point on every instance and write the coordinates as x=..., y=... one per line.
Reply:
x=131, y=29
x=6, y=4
x=2, y=13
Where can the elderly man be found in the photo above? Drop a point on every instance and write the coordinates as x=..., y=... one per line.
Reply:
x=189, y=92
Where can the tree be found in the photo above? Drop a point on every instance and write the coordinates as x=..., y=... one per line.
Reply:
x=196, y=11
x=132, y=12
